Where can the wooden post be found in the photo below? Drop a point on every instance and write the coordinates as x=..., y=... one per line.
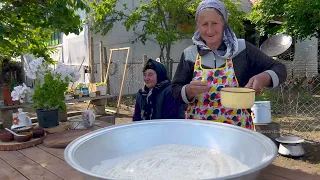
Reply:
x=101, y=62
x=105, y=58
x=108, y=68
x=123, y=77
x=124, y=72
x=145, y=59
x=91, y=61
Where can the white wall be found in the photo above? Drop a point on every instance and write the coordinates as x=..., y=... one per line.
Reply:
x=305, y=58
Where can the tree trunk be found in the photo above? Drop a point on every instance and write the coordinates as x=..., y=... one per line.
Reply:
x=91, y=60
x=162, y=60
x=169, y=60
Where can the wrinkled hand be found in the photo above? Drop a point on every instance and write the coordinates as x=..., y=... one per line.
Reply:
x=259, y=81
x=196, y=87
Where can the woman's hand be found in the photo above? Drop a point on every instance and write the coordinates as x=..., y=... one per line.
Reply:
x=259, y=81
x=196, y=87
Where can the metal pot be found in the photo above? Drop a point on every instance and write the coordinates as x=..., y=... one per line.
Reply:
x=237, y=98
x=290, y=146
x=251, y=148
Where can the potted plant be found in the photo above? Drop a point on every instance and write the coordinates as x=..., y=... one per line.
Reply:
x=51, y=84
x=102, y=87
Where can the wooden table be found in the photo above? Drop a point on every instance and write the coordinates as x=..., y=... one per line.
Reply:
x=98, y=103
x=40, y=162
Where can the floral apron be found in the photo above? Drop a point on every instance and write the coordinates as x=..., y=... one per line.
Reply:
x=207, y=106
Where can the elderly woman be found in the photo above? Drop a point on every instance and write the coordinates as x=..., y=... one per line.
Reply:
x=155, y=100
x=217, y=60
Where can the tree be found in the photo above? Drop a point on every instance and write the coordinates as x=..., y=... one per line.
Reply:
x=167, y=20
x=300, y=18
x=25, y=25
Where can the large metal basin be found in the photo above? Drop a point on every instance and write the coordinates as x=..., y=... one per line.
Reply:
x=251, y=148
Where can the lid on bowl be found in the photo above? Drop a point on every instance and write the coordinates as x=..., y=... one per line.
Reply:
x=290, y=139
x=237, y=90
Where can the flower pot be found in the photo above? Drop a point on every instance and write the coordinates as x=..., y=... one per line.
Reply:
x=48, y=118
x=6, y=93
x=102, y=89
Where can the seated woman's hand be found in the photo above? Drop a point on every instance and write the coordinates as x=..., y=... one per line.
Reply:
x=196, y=87
x=259, y=81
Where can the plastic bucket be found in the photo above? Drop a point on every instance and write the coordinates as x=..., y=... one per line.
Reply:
x=261, y=112
x=85, y=91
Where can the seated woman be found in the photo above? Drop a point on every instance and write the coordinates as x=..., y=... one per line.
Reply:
x=155, y=100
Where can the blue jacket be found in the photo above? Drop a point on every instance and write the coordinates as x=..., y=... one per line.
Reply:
x=166, y=106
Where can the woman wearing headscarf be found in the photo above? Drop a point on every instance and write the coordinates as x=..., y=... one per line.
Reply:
x=217, y=60
x=155, y=100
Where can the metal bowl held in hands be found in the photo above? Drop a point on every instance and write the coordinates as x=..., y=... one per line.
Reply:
x=253, y=149
x=237, y=98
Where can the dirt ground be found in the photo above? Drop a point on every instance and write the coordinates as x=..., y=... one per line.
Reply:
x=309, y=129
x=310, y=163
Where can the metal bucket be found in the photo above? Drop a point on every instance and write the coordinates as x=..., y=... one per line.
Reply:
x=251, y=148
x=261, y=112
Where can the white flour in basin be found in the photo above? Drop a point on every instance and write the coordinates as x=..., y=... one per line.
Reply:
x=170, y=162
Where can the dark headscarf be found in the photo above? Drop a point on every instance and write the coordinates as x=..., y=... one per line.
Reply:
x=150, y=94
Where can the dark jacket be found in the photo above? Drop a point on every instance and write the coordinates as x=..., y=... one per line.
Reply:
x=248, y=62
x=161, y=102
x=166, y=106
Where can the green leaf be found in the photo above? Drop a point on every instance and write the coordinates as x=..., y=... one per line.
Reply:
x=27, y=25
x=300, y=19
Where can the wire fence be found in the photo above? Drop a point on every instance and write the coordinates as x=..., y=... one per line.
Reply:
x=295, y=104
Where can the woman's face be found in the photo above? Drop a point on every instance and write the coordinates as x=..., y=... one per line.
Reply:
x=150, y=78
x=211, y=25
